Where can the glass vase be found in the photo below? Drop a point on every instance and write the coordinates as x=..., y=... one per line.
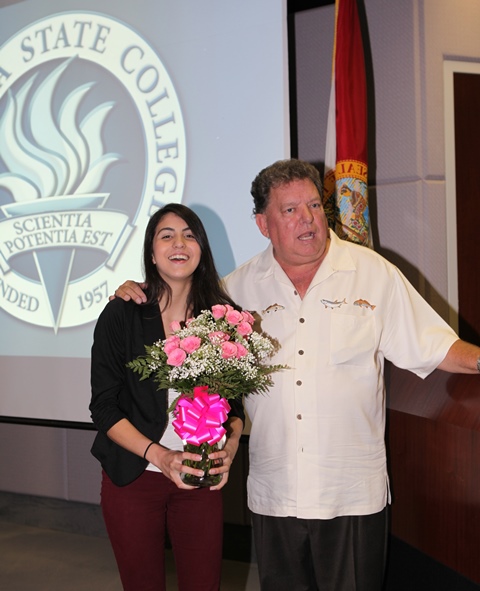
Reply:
x=204, y=464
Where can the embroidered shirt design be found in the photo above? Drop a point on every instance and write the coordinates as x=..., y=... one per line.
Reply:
x=333, y=304
x=273, y=308
x=364, y=304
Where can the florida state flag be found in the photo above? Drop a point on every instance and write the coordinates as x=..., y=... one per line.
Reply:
x=345, y=182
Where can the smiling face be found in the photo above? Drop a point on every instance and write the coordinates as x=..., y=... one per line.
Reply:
x=176, y=252
x=296, y=224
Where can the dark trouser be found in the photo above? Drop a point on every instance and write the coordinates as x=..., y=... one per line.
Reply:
x=341, y=554
x=137, y=517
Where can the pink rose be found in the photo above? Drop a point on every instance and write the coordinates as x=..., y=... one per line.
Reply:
x=233, y=317
x=241, y=350
x=218, y=336
x=188, y=321
x=175, y=326
x=176, y=357
x=190, y=344
x=244, y=328
x=248, y=317
x=172, y=343
x=218, y=311
x=228, y=350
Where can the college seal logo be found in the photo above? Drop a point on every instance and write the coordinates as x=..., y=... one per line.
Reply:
x=92, y=142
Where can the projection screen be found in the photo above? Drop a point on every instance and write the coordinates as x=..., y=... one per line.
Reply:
x=107, y=111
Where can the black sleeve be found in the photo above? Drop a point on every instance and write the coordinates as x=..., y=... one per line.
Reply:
x=108, y=366
x=236, y=405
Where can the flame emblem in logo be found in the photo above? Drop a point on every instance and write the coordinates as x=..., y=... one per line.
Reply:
x=56, y=164
x=62, y=157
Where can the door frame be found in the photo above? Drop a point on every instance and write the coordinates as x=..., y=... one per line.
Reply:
x=451, y=67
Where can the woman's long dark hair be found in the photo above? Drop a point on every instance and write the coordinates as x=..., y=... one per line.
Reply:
x=206, y=289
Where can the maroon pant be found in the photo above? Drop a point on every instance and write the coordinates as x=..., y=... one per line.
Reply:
x=137, y=517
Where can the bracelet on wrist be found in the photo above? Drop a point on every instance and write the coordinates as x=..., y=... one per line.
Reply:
x=148, y=447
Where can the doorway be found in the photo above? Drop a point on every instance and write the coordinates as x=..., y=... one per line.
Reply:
x=462, y=85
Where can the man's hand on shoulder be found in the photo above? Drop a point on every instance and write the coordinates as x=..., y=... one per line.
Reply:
x=131, y=290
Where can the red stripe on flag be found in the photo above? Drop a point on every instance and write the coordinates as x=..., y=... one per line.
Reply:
x=350, y=85
x=345, y=195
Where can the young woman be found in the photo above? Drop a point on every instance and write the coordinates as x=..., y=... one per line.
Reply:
x=143, y=496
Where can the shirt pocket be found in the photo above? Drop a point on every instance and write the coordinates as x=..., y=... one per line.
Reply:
x=352, y=340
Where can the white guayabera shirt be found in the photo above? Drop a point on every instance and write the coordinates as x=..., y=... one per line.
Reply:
x=317, y=446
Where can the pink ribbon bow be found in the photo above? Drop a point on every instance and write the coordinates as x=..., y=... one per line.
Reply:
x=201, y=419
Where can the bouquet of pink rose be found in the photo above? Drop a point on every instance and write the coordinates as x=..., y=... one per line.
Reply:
x=218, y=349
x=215, y=357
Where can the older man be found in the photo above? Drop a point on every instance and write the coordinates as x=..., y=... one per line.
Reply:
x=318, y=484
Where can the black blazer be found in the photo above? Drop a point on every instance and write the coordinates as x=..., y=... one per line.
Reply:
x=122, y=331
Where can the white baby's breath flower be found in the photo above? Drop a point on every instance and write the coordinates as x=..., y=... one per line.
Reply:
x=227, y=373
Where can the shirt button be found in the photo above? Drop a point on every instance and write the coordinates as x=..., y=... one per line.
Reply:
x=299, y=417
x=301, y=320
x=301, y=352
x=299, y=382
